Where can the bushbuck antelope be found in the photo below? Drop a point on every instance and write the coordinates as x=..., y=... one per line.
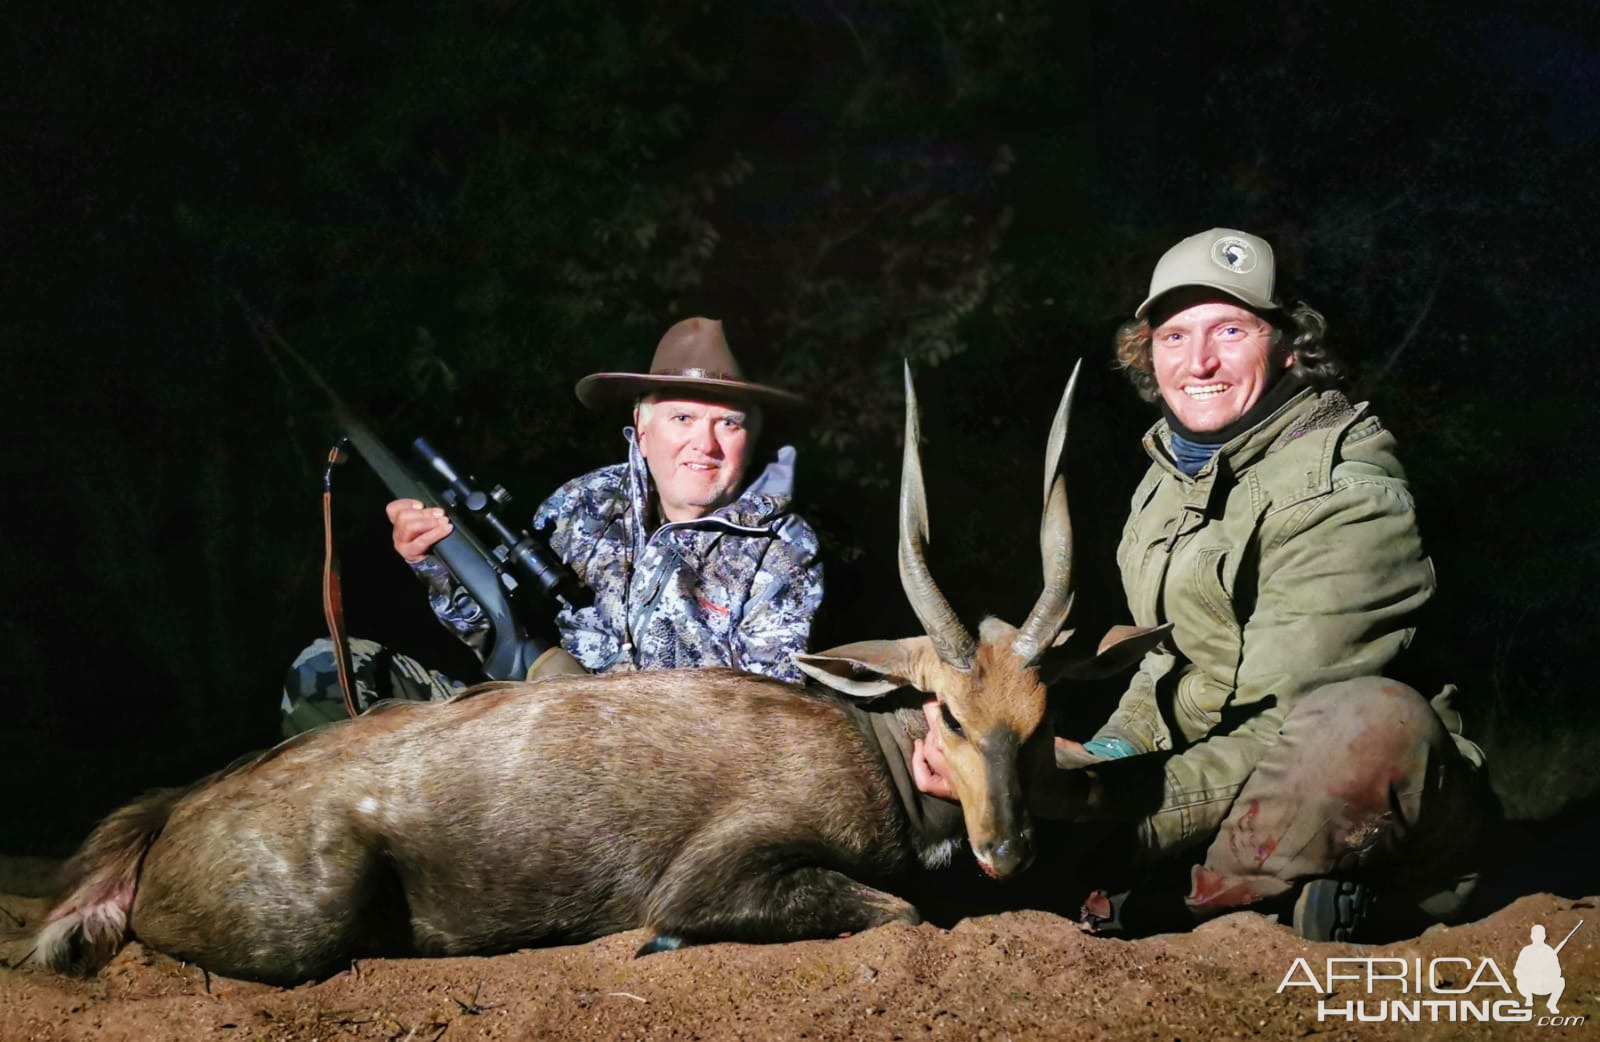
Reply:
x=705, y=805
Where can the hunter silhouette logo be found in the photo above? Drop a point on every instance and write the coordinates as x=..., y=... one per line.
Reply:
x=1538, y=971
x=1448, y=989
x=1234, y=254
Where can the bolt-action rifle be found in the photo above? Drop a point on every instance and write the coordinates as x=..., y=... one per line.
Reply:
x=490, y=558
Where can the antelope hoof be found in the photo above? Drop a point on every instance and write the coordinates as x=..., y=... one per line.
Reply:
x=659, y=943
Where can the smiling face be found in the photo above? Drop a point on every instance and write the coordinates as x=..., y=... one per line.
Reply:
x=696, y=451
x=1213, y=360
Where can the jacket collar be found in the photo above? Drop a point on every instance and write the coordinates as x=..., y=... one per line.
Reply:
x=1245, y=448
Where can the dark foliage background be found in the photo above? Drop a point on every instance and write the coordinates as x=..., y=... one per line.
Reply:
x=459, y=209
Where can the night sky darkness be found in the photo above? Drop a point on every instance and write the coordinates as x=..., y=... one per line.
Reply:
x=458, y=210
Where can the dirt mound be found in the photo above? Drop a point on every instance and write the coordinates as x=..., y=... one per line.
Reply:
x=1015, y=975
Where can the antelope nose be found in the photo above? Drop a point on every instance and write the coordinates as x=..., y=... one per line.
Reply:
x=1010, y=855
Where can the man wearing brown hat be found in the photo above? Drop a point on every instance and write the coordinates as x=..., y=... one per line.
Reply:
x=1260, y=749
x=690, y=564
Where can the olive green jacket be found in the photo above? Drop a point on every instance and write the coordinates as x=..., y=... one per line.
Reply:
x=1290, y=561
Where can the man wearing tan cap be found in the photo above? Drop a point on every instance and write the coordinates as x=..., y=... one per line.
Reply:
x=1275, y=530
x=690, y=564
x=1259, y=748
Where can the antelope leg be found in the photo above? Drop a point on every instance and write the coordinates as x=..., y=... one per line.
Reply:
x=783, y=904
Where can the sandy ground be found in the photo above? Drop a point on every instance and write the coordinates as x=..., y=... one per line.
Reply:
x=1014, y=975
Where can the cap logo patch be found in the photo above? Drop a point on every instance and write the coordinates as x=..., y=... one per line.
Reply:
x=1234, y=254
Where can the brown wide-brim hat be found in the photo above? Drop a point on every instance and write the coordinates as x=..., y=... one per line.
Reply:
x=692, y=361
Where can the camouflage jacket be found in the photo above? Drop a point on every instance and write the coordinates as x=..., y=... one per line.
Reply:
x=736, y=588
x=1290, y=561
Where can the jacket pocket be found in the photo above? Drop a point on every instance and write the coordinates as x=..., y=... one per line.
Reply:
x=1215, y=569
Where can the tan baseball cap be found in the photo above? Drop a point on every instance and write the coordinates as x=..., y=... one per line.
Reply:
x=1237, y=263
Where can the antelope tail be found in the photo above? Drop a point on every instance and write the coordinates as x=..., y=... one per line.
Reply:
x=88, y=925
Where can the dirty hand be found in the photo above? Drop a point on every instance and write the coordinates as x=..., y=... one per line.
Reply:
x=929, y=769
x=1070, y=753
x=416, y=528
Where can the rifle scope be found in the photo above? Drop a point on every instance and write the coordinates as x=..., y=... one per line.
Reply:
x=518, y=550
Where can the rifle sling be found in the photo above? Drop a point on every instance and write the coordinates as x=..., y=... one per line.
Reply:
x=332, y=594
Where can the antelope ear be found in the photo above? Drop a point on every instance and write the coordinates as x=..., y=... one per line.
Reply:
x=1121, y=647
x=867, y=669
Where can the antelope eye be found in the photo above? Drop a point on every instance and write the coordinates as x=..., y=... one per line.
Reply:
x=950, y=723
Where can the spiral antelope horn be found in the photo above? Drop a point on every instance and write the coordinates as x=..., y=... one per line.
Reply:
x=1055, y=545
x=950, y=639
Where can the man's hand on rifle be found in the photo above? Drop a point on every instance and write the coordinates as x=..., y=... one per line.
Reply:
x=416, y=527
